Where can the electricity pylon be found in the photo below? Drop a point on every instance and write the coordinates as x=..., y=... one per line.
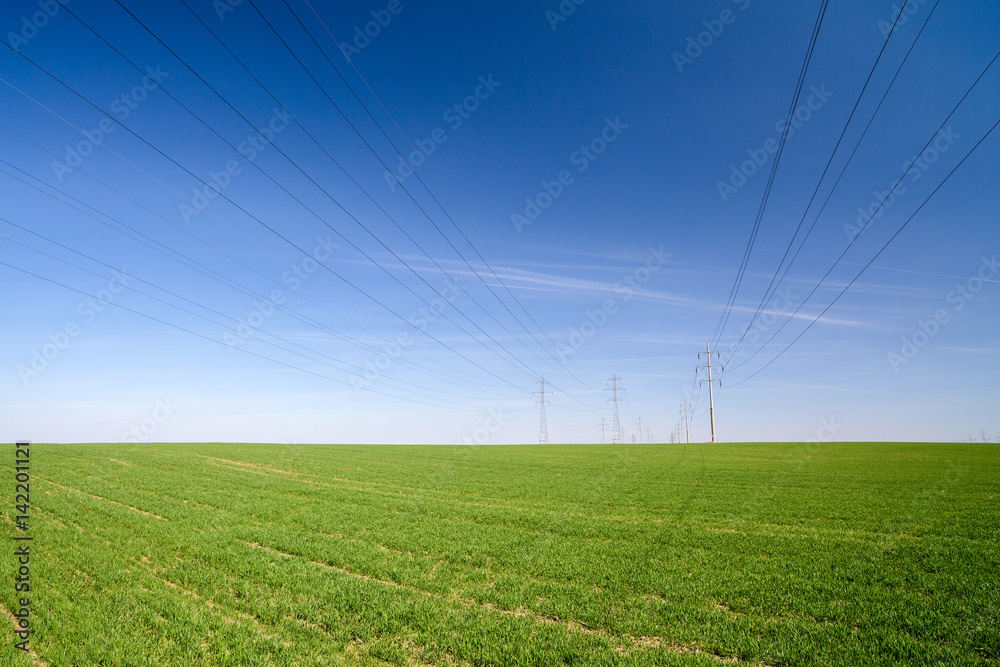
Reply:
x=543, y=427
x=616, y=428
x=687, y=426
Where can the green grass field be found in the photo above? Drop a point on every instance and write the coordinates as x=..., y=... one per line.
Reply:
x=746, y=554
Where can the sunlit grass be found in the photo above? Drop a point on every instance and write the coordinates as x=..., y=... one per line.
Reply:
x=778, y=554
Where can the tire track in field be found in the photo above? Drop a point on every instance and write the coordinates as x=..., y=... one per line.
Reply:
x=347, y=483
x=220, y=610
x=358, y=648
x=625, y=643
x=134, y=509
x=527, y=509
x=263, y=630
x=108, y=458
x=32, y=655
x=295, y=476
x=150, y=469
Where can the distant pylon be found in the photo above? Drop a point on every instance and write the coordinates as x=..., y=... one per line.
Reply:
x=639, y=428
x=649, y=435
x=616, y=427
x=601, y=423
x=687, y=424
x=543, y=427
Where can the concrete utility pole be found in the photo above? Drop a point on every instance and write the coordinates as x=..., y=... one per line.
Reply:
x=543, y=427
x=616, y=427
x=711, y=396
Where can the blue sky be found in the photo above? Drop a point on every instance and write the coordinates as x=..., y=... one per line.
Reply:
x=577, y=211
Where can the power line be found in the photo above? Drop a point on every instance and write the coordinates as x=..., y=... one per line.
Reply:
x=880, y=206
x=513, y=357
x=881, y=250
x=731, y=301
x=336, y=363
x=213, y=340
x=342, y=169
x=423, y=211
x=201, y=268
x=429, y=191
x=791, y=242
x=241, y=208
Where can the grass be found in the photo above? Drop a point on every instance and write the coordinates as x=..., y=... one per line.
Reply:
x=746, y=554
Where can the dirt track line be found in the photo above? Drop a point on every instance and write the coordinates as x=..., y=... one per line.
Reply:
x=124, y=463
x=34, y=657
x=296, y=476
x=134, y=509
x=218, y=609
x=258, y=466
x=263, y=470
x=529, y=509
x=625, y=642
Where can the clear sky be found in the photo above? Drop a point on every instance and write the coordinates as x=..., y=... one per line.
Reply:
x=211, y=230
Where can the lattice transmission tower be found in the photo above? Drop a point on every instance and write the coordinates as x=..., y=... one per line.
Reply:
x=543, y=427
x=616, y=427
